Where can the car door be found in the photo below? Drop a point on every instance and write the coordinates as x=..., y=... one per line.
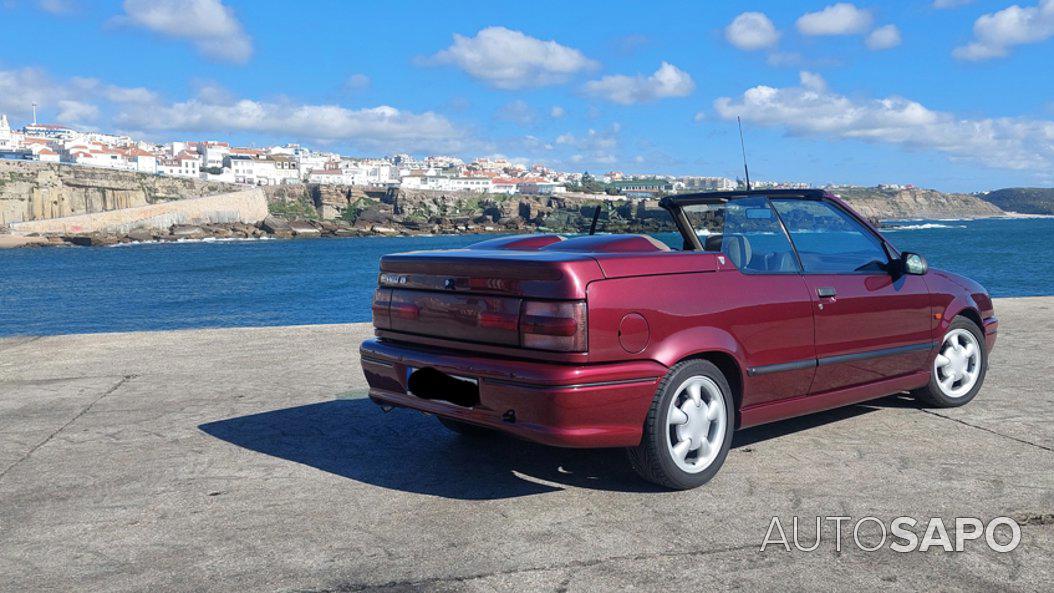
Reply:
x=766, y=305
x=871, y=321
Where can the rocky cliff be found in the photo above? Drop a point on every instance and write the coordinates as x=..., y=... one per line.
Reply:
x=441, y=212
x=36, y=191
x=885, y=204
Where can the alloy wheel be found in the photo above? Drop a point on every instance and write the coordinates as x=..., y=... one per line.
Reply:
x=696, y=422
x=958, y=364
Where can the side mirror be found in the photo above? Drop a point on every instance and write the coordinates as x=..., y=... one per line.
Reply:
x=913, y=263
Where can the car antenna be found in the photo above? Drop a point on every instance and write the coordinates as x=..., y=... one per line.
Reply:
x=743, y=147
x=596, y=217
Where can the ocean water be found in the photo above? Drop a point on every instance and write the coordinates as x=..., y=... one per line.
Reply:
x=253, y=283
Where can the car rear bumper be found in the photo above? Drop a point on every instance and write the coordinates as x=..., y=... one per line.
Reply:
x=599, y=405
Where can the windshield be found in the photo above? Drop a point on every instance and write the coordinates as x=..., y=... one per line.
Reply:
x=781, y=234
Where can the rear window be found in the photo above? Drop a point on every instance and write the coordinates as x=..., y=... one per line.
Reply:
x=747, y=231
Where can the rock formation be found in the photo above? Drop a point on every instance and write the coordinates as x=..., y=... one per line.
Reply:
x=35, y=191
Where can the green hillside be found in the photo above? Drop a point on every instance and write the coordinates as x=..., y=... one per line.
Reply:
x=1026, y=200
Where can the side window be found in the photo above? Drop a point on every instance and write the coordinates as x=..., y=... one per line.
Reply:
x=829, y=241
x=748, y=232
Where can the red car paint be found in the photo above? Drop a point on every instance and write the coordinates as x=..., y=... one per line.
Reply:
x=786, y=350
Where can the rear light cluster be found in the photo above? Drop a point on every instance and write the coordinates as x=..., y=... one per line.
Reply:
x=553, y=325
x=382, y=302
x=540, y=325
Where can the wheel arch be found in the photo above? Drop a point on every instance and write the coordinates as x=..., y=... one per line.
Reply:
x=708, y=343
x=731, y=369
x=970, y=313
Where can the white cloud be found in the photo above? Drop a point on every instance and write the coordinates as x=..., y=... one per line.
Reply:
x=56, y=7
x=557, y=112
x=75, y=112
x=837, y=19
x=70, y=101
x=381, y=127
x=942, y=4
x=812, y=81
x=751, y=31
x=213, y=111
x=208, y=24
x=996, y=33
x=356, y=82
x=883, y=38
x=81, y=86
x=20, y=88
x=508, y=59
x=595, y=146
x=812, y=110
x=667, y=81
x=518, y=111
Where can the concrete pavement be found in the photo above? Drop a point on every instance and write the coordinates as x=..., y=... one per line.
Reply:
x=248, y=460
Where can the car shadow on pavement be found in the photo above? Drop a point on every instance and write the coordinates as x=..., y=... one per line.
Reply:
x=748, y=436
x=412, y=452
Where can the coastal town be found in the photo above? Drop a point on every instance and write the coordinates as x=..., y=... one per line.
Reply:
x=51, y=174
x=220, y=161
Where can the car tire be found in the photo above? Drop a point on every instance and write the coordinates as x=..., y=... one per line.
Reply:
x=657, y=458
x=956, y=374
x=464, y=428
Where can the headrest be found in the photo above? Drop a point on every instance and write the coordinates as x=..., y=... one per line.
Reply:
x=737, y=247
x=712, y=243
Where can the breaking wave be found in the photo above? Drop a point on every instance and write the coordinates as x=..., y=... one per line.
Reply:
x=203, y=240
x=923, y=226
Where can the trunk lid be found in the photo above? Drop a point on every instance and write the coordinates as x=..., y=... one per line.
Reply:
x=521, y=291
x=534, y=274
x=475, y=295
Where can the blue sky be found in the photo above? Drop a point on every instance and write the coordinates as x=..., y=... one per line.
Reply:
x=950, y=94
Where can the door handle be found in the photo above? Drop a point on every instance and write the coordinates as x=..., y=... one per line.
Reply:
x=826, y=292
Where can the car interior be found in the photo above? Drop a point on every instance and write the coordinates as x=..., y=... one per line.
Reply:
x=741, y=252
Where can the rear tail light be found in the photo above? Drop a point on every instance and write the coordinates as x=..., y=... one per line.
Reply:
x=496, y=320
x=405, y=310
x=553, y=326
x=382, y=300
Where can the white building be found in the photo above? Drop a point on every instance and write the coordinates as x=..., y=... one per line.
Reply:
x=101, y=138
x=183, y=164
x=9, y=140
x=286, y=169
x=50, y=131
x=439, y=183
x=367, y=172
x=541, y=187
x=504, y=185
x=709, y=184
x=213, y=153
x=140, y=160
x=45, y=154
x=313, y=161
x=327, y=177
x=263, y=170
x=99, y=156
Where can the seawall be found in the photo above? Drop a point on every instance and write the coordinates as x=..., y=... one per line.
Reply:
x=35, y=191
x=246, y=206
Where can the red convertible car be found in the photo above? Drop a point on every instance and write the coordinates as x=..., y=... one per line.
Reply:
x=777, y=304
